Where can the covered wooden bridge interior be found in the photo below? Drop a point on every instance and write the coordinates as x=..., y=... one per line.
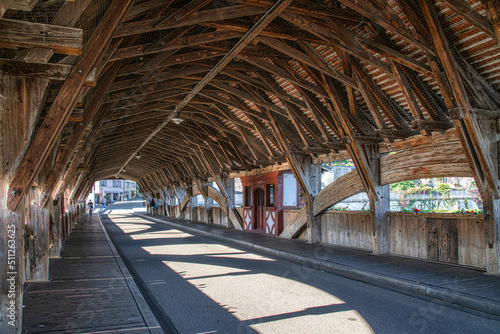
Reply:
x=178, y=94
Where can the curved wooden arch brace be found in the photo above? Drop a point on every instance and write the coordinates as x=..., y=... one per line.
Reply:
x=447, y=159
x=217, y=197
x=344, y=187
x=185, y=201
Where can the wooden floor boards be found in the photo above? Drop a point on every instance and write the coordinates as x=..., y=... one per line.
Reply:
x=87, y=291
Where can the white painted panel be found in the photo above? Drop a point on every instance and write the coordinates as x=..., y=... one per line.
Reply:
x=289, y=190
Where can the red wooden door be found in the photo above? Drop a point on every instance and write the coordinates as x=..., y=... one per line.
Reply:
x=258, y=204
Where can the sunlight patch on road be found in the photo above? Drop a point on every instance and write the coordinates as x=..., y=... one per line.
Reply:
x=190, y=249
x=201, y=270
x=250, y=256
x=268, y=303
x=162, y=235
x=133, y=228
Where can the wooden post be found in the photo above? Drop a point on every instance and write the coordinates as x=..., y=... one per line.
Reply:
x=491, y=205
x=37, y=230
x=209, y=203
x=192, y=206
x=380, y=205
x=19, y=107
x=313, y=175
x=229, y=188
x=180, y=195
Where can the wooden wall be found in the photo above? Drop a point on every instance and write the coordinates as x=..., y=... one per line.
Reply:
x=219, y=217
x=343, y=228
x=452, y=238
x=201, y=213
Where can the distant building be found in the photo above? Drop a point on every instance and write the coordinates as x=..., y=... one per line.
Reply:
x=131, y=190
x=112, y=190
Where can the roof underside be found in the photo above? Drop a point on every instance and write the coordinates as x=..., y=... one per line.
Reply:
x=319, y=75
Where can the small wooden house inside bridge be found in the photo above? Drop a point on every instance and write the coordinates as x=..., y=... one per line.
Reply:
x=179, y=94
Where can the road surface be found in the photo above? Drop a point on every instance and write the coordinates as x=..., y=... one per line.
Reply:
x=205, y=286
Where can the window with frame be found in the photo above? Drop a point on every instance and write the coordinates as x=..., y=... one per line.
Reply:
x=270, y=195
x=116, y=184
x=248, y=196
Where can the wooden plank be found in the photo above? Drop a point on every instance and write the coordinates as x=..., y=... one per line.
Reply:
x=453, y=240
x=432, y=240
x=413, y=233
x=61, y=108
x=65, y=40
x=443, y=240
x=422, y=238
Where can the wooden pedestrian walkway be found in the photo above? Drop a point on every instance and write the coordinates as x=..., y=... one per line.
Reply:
x=90, y=290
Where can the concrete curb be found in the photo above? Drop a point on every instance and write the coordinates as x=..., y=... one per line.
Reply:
x=414, y=289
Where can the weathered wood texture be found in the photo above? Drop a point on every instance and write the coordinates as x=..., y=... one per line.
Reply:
x=61, y=109
x=89, y=273
x=350, y=229
x=37, y=237
x=20, y=104
x=21, y=34
x=458, y=239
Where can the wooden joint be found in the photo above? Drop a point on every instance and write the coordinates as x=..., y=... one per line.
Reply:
x=334, y=145
x=457, y=114
x=420, y=125
x=395, y=133
x=486, y=113
x=346, y=140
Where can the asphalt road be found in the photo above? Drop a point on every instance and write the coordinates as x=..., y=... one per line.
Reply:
x=205, y=286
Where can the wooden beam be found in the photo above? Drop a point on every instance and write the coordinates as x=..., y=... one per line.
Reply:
x=493, y=11
x=462, y=8
x=304, y=58
x=24, y=5
x=267, y=18
x=186, y=41
x=224, y=13
x=471, y=138
x=60, y=110
x=366, y=9
x=55, y=72
x=21, y=34
x=358, y=155
x=77, y=134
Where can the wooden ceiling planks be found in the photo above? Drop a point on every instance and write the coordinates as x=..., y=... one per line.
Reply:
x=332, y=74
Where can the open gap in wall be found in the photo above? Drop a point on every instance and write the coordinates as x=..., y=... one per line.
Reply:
x=447, y=194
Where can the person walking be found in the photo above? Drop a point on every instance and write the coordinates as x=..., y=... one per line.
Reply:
x=90, y=206
x=104, y=201
x=153, y=206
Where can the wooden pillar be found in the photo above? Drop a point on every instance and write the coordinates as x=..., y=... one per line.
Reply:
x=192, y=206
x=20, y=102
x=380, y=220
x=491, y=205
x=180, y=195
x=313, y=175
x=229, y=188
x=37, y=235
x=209, y=203
x=55, y=240
x=379, y=205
